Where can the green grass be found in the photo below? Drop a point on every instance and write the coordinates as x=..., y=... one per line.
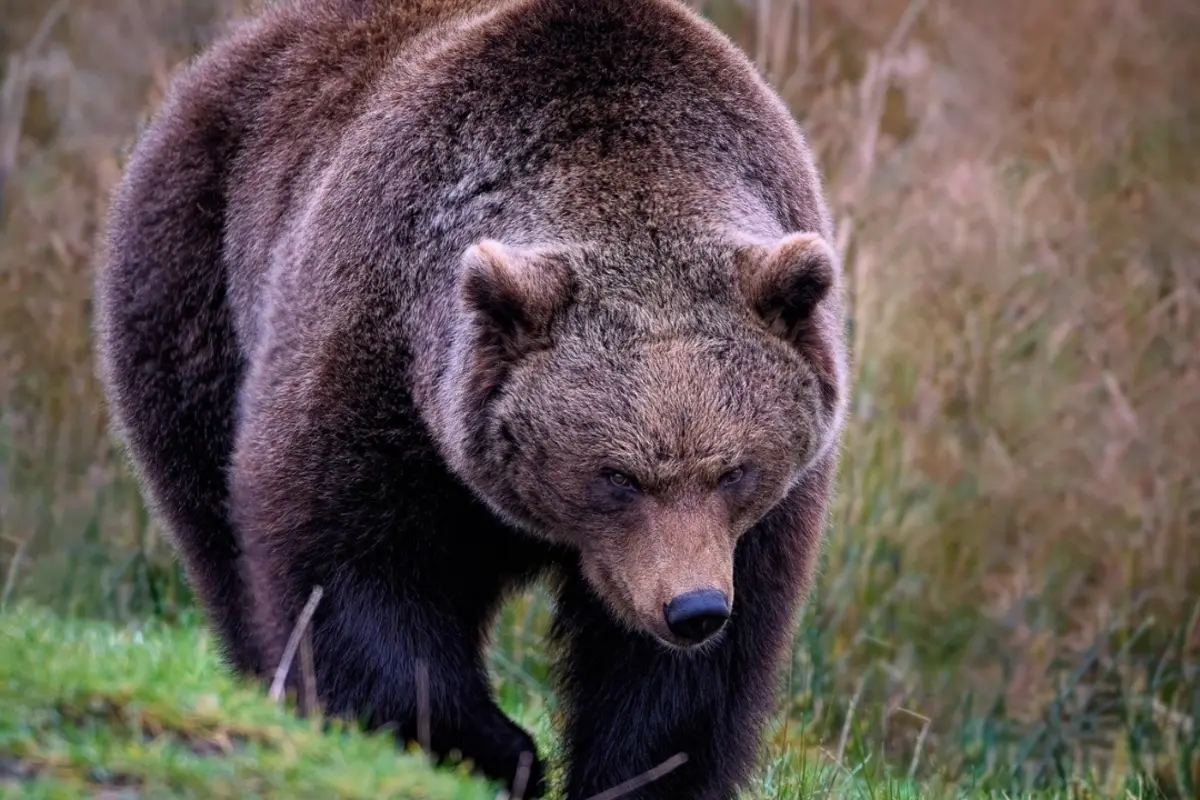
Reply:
x=87, y=706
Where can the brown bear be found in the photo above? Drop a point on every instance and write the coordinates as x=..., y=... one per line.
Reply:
x=419, y=301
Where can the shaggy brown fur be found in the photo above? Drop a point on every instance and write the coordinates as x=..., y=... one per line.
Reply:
x=418, y=301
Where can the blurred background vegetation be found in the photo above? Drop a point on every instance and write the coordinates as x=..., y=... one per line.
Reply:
x=1011, y=592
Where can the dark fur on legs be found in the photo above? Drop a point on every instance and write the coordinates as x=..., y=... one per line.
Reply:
x=632, y=704
x=405, y=584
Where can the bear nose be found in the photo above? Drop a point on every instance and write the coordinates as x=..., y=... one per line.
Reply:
x=697, y=615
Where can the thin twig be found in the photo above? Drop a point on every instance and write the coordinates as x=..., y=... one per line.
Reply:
x=15, y=90
x=926, y=722
x=289, y=652
x=423, y=712
x=912, y=13
x=839, y=771
x=637, y=782
x=841, y=751
x=308, y=671
x=521, y=781
x=761, y=30
x=10, y=578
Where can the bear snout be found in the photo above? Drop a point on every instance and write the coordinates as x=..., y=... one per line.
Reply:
x=696, y=616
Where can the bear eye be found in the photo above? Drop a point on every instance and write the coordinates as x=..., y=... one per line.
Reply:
x=622, y=481
x=732, y=477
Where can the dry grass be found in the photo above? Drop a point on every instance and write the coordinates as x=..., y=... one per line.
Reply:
x=1019, y=518
x=77, y=79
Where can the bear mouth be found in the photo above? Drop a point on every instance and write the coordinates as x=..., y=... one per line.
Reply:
x=682, y=647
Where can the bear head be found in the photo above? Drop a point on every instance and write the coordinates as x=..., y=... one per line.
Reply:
x=647, y=405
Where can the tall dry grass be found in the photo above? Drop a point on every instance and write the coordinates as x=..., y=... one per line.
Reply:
x=77, y=78
x=1012, y=580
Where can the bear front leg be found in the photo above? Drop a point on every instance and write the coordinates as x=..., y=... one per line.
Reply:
x=411, y=571
x=633, y=704
x=404, y=660
x=388, y=655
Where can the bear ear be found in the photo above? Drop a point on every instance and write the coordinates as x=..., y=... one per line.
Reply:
x=515, y=292
x=784, y=281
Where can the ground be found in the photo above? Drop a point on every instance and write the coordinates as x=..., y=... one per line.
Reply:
x=148, y=711
x=94, y=708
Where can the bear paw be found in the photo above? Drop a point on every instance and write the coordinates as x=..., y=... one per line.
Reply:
x=522, y=769
x=500, y=750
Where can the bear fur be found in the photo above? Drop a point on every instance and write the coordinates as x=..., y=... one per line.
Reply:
x=420, y=301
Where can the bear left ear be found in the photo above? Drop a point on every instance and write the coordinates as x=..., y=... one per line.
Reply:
x=785, y=281
x=516, y=292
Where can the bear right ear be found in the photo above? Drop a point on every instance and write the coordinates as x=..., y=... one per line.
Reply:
x=784, y=281
x=516, y=292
